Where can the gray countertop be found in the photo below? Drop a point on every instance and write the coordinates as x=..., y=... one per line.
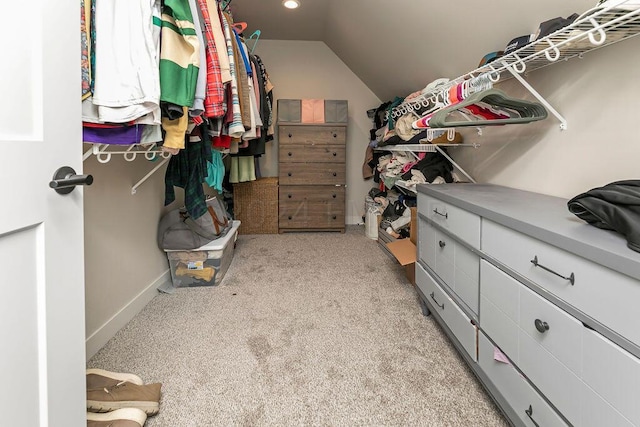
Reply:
x=543, y=217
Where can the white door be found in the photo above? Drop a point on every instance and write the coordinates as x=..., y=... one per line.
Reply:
x=42, y=350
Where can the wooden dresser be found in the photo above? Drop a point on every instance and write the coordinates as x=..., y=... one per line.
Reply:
x=312, y=177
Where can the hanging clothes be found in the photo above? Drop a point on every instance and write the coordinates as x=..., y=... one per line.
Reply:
x=179, y=54
x=236, y=128
x=126, y=90
x=197, y=108
x=214, y=95
x=188, y=170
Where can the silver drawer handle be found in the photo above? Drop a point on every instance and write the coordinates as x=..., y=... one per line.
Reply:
x=571, y=278
x=529, y=413
x=446, y=215
x=433, y=297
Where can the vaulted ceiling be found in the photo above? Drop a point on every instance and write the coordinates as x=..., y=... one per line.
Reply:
x=397, y=47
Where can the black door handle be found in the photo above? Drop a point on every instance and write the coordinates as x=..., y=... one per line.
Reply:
x=65, y=180
x=335, y=174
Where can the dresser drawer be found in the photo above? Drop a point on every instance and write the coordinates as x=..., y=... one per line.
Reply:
x=528, y=405
x=311, y=207
x=312, y=174
x=455, y=319
x=459, y=268
x=596, y=290
x=312, y=135
x=311, y=153
x=615, y=374
x=426, y=242
x=290, y=195
x=546, y=324
x=312, y=216
x=461, y=223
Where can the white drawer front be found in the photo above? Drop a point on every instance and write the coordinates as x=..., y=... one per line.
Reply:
x=450, y=313
x=427, y=243
x=559, y=333
x=598, y=413
x=551, y=359
x=459, y=268
x=614, y=373
x=445, y=257
x=499, y=308
x=459, y=222
x=553, y=379
x=596, y=290
x=530, y=407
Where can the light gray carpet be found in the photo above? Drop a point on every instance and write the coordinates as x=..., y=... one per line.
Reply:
x=313, y=329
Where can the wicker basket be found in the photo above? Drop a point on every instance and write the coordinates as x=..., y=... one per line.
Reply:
x=255, y=203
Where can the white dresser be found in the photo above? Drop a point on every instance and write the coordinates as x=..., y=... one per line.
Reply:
x=542, y=306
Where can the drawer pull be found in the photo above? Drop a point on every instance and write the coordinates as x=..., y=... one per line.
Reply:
x=289, y=174
x=541, y=326
x=290, y=135
x=290, y=154
x=432, y=295
x=446, y=215
x=335, y=217
x=571, y=278
x=442, y=244
x=529, y=413
x=334, y=196
x=335, y=174
x=290, y=218
x=289, y=195
x=335, y=135
x=335, y=154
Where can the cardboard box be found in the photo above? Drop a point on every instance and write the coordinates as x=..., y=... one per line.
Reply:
x=413, y=231
x=405, y=252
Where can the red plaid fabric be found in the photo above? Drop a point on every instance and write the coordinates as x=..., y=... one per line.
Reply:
x=214, y=96
x=197, y=120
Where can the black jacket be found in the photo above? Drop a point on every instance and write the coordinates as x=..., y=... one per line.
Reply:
x=615, y=206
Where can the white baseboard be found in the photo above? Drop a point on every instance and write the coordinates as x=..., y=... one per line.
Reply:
x=99, y=338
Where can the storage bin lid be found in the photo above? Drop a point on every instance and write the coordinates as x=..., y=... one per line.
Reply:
x=218, y=244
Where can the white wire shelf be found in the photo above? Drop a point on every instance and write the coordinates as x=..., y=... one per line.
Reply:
x=591, y=31
x=588, y=33
x=425, y=147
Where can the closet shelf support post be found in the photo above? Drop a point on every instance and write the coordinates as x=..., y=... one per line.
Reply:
x=561, y=119
x=134, y=189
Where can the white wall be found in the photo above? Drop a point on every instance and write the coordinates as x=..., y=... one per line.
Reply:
x=123, y=265
x=600, y=98
x=303, y=69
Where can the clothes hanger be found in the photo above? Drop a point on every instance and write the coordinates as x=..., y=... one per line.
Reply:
x=225, y=5
x=525, y=111
x=256, y=33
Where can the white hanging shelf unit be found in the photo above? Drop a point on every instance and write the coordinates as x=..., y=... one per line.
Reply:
x=426, y=147
x=589, y=32
x=151, y=152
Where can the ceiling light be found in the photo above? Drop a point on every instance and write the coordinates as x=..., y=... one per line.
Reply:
x=291, y=4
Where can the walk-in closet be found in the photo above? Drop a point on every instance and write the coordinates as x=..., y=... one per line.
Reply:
x=320, y=213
